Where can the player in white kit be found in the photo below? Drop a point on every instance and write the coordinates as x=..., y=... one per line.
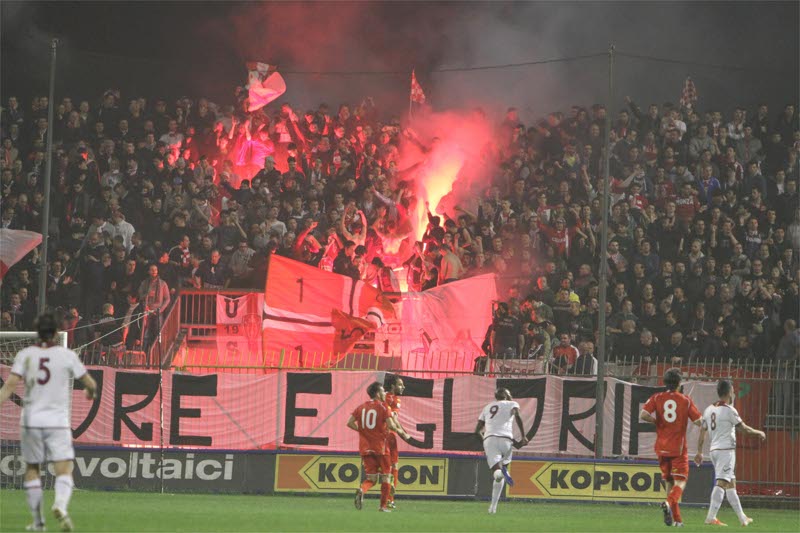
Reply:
x=47, y=370
x=496, y=427
x=721, y=420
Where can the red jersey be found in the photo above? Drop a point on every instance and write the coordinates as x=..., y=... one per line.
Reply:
x=559, y=240
x=570, y=353
x=672, y=411
x=393, y=403
x=371, y=419
x=686, y=207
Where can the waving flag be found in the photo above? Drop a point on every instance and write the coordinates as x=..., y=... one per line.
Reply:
x=689, y=93
x=349, y=330
x=14, y=245
x=313, y=315
x=264, y=84
x=417, y=95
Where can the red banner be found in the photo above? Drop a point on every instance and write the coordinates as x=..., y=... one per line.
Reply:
x=299, y=307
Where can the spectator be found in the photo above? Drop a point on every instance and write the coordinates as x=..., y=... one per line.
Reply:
x=154, y=294
x=187, y=180
x=586, y=363
x=212, y=273
x=239, y=264
x=131, y=319
x=564, y=356
x=119, y=226
x=507, y=340
x=107, y=329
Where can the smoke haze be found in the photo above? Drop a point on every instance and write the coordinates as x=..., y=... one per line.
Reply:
x=199, y=49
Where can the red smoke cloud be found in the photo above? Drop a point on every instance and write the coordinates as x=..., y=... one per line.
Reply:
x=446, y=154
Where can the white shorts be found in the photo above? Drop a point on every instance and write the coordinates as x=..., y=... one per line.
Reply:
x=724, y=462
x=41, y=445
x=498, y=449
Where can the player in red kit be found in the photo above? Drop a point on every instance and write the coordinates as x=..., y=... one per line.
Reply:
x=373, y=421
x=671, y=412
x=394, y=389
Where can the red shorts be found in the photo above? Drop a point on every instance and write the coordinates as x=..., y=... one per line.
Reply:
x=376, y=464
x=391, y=446
x=674, y=467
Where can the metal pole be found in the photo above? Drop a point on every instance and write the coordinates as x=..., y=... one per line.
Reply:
x=413, y=75
x=601, y=348
x=48, y=170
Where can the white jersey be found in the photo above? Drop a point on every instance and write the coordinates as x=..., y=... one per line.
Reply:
x=499, y=419
x=48, y=375
x=721, y=419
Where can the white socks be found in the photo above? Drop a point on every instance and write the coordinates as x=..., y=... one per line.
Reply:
x=717, y=496
x=63, y=487
x=733, y=499
x=33, y=493
x=497, y=490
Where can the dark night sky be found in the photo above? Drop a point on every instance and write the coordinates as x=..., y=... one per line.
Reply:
x=191, y=48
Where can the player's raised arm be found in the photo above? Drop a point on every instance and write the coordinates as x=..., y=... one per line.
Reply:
x=747, y=430
x=9, y=388
x=351, y=423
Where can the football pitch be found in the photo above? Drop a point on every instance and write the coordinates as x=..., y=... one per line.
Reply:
x=129, y=511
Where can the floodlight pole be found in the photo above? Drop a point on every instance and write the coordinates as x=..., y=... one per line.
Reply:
x=601, y=322
x=48, y=171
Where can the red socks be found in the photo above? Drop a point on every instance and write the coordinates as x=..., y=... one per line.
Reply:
x=366, y=485
x=673, y=499
x=394, y=477
x=386, y=490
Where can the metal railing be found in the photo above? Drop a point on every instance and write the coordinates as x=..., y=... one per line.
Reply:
x=199, y=311
x=210, y=357
x=97, y=353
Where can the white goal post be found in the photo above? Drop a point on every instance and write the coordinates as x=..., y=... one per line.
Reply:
x=12, y=342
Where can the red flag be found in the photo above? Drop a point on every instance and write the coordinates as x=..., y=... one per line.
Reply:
x=300, y=305
x=14, y=245
x=264, y=84
x=306, y=290
x=416, y=90
x=349, y=330
x=689, y=93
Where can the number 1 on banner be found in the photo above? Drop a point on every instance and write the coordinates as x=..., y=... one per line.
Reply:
x=369, y=419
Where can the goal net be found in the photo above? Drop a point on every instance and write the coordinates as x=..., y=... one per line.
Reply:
x=12, y=467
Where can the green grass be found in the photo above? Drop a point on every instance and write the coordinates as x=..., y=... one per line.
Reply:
x=127, y=511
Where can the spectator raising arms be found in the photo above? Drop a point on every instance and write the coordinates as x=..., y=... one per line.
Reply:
x=151, y=196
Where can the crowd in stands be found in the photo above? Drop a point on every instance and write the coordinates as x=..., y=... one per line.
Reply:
x=151, y=197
